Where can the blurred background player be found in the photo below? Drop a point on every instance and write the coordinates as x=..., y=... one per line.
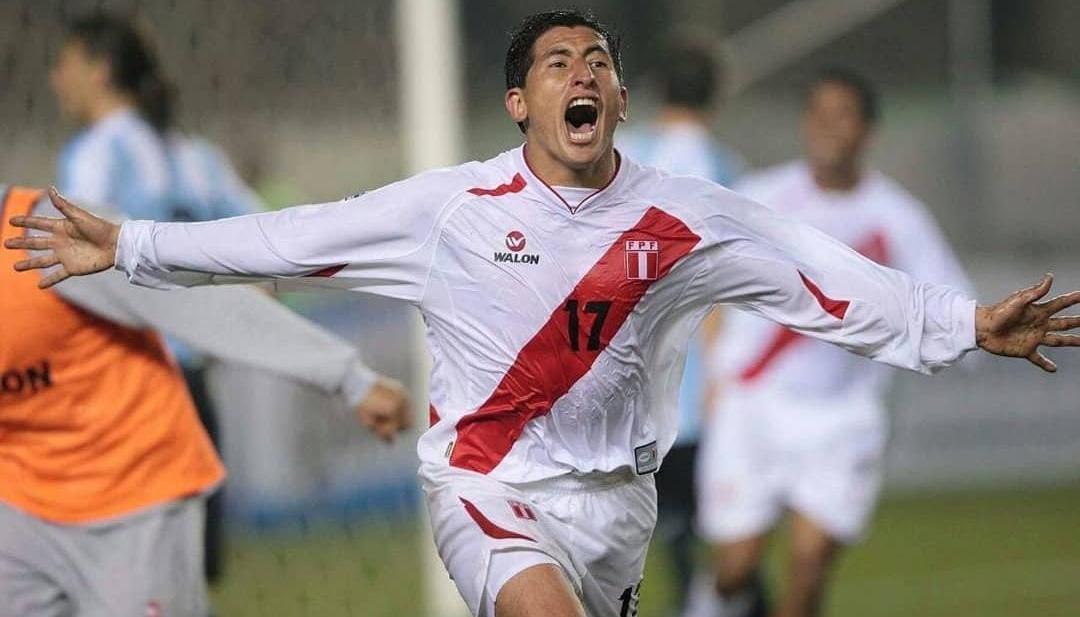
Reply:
x=801, y=426
x=681, y=140
x=129, y=154
x=103, y=464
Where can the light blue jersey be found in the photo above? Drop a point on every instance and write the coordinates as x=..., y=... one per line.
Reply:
x=686, y=149
x=122, y=162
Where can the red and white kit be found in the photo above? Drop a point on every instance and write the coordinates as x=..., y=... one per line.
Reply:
x=798, y=423
x=557, y=331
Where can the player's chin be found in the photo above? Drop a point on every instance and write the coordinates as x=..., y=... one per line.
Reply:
x=583, y=145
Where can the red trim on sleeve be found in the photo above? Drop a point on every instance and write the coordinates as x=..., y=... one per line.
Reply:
x=514, y=186
x=432, y=415
x=874, y=247
x=836, y=308
x=489, y=528
x=327, y=272
x=549, y=364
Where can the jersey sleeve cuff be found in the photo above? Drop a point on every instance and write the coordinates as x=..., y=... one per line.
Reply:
x=357, y=382
x=127, y=246
x=965, y=311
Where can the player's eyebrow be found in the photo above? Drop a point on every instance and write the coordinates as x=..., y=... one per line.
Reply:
x=557, y=51
x=562, y=50
x=597, y=48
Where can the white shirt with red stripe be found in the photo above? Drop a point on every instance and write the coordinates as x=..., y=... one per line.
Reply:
x=877, y=218
x=557, y=330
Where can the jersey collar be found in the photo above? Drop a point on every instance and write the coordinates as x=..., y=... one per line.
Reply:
x=544, y=188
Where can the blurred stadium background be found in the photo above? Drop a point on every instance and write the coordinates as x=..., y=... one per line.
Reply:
x=313, y=100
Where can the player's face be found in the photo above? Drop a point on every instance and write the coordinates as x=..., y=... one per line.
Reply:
x=834, y=129
x=572, y=99
x=76, y=78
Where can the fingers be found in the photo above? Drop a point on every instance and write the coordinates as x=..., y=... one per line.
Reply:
x=41, y=223
x=1062, y=302
x=45, y=261
x=1037, y=291
x=1042, y=362
x=53, y=278
x=406, y=416
x=386, y=424
x=1061, y=340
x=384, y=431
x=1057, y=324
x=68, y=209
x=33, y=243
x=386, y=427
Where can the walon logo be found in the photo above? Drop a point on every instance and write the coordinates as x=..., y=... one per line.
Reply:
x=515, y=242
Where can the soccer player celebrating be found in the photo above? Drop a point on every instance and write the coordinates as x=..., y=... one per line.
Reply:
x=559, y=282
x=800, y=425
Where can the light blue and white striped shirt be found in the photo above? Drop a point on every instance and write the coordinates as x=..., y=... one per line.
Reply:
x=123, y=163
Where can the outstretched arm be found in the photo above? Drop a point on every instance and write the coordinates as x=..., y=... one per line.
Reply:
x=381, y=242
x=803, y=279
x=232, y=323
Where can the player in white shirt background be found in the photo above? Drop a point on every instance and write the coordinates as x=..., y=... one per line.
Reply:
x=680, y=139
x=800, y=427
x=559, y=283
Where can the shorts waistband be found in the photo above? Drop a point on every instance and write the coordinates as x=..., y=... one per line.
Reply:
x=580, y=482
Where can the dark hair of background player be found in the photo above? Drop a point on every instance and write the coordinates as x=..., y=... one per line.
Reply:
x=690, y=77
x=519, y=55
x=133, y=64
x=862, y=88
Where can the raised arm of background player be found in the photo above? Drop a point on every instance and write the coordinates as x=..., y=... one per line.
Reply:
x=755, y=259
x=242, y=325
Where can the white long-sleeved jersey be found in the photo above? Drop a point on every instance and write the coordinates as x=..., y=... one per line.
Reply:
x=881, y=221
x=557, y=331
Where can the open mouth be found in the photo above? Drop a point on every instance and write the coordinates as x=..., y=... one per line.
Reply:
x=581, y=116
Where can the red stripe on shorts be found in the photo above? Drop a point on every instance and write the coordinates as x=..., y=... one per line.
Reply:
x=490, y=528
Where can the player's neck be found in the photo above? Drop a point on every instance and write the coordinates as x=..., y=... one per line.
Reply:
x=106, y=105
x=837, y=179
x=556, y=173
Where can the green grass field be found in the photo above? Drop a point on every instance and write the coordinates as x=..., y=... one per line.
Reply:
x=991, y=554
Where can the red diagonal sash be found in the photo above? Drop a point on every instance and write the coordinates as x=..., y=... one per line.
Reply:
x=548, y=365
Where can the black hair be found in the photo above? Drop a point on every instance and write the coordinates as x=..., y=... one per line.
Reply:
x=519, y=55
x=862, y=88
x=690, y=76
x=133, y=63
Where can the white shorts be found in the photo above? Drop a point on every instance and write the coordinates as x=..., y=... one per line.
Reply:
x=149, y=563
x=595, y=527
x=763, y=455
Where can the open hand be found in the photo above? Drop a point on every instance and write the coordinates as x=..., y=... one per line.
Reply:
x=80, y=243
x=1019, y=324
x=385, y=409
